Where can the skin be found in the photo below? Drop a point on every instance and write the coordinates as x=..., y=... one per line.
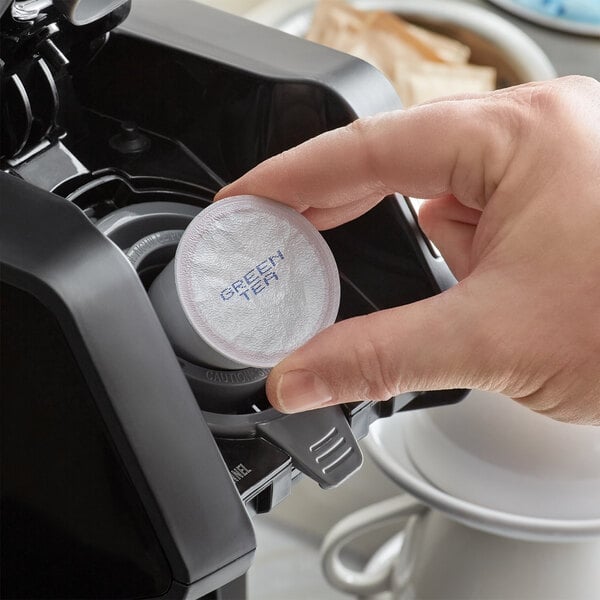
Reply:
x=514, y=182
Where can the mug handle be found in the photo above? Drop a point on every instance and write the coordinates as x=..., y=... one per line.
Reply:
x=365, y=583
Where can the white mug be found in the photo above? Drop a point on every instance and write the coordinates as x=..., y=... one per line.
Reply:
x=436, y=557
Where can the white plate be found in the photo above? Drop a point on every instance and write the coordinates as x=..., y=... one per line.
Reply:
x=386, y=445
x=562, y=24
x=527, y=59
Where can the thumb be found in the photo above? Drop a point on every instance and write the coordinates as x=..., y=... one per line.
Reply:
x=432, y=344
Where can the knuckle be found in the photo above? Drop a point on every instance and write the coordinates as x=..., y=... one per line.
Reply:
x=377, y=375
x=555, y=407
x=361, y=130
x=360, y=127
x=530, y=117
x=554, y=99
x=548, y=99
x=562, y=400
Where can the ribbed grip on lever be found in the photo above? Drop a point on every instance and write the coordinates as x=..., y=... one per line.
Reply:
x=320, y=443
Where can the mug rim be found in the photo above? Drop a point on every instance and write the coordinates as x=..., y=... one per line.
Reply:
x=400, y=468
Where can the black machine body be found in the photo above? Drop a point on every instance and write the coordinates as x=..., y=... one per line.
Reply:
x=127, y=471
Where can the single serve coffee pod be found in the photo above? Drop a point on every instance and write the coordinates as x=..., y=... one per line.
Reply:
x=252, y=280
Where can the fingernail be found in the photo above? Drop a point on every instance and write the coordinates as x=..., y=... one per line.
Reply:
x=301, y=390
x=222, y=193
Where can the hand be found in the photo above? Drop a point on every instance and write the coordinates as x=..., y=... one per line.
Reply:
x=514, y=177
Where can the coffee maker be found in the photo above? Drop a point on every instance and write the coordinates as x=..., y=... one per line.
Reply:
x=128, y=471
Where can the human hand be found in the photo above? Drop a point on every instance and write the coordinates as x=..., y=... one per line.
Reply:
x=515, y=181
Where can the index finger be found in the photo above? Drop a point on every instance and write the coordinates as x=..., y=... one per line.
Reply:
x=426, y=151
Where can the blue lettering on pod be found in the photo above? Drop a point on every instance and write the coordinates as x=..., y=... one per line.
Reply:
x=227, y=294
x=250, y=277
x=256, y=280
x=258, y=287
x=270, y=276
x=272, y=259
x=237, y=285
x=263, y=267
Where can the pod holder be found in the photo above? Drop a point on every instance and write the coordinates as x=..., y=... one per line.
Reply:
x=147, y=220
x=145, y=217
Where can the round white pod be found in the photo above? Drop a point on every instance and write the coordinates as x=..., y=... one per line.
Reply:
x=255, y=279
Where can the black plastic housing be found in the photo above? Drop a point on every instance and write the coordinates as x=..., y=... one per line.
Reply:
x=123, y=361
